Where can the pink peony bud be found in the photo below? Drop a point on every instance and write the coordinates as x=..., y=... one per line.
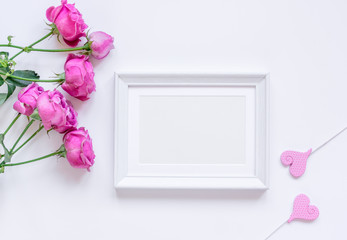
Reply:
x=27, y=99
x=69, y=22
x=56, y=112
x=79, y=77
x=79, y=148
x=102, y=44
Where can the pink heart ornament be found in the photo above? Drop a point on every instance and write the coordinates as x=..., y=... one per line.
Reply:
x=296, y=161
x=303, y=210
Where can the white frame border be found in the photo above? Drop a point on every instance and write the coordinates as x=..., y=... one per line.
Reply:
x=258, y=80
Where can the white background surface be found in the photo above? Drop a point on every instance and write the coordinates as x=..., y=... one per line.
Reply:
x=303, y=46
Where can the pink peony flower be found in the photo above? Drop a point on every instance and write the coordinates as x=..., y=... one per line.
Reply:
x=69, y=22
x=79, y=77
x=27, y=99
x=56, y=112
x=102, y=44
x=79, y=148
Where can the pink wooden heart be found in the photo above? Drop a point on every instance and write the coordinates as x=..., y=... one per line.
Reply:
x=302, y=209
x=296, y=161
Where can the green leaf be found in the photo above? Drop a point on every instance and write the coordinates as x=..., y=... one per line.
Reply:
x=1, y=81
x=3, y=63
x=9, y=38
x=8, y=156
x=5, y=54
x=2, y=169
x=10, y=89
x=24, y=74
x=4, y=69
x=35, y=115
x=3, y=97
x=18, y=82
x=62, y=151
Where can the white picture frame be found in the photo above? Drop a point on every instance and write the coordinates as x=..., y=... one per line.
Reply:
x=146, y=106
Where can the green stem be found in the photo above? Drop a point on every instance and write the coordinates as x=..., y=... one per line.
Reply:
x=31, y=137
x=30, y=49
x=59, y=50
x=40, y=40
x=14, y=120
x=33, y=160
x=12, y=46
x=30, y=79
x=21, y=135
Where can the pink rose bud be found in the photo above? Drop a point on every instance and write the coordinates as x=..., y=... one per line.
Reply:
x=56, y=112
x=69, y=22
x=79, y=148
x=102, y=44
x=79, y=77
x=27, y=99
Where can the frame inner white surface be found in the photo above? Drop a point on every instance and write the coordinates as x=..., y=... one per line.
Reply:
x=241, y=98
x=182, y=153
x=191, y=129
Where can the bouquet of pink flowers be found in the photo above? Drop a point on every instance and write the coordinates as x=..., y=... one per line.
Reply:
x=51, y=108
